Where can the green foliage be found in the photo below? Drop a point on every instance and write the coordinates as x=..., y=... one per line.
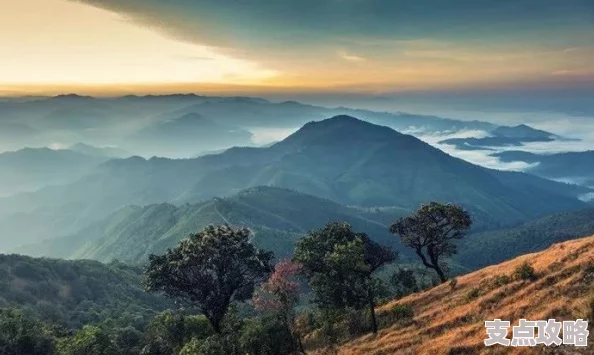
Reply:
x=209, y=270
x=171, y=330
x=432, y=232
x=90, y=340
x=400, y=312
x=496, y=246
x=339, y=264
x=74, y=293
x=525, y=272
x=22, y=334
x=267, y=335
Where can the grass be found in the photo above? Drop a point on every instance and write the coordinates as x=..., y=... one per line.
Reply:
x=555, y=283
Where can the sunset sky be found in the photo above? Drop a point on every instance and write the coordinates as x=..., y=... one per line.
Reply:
x=113, y=46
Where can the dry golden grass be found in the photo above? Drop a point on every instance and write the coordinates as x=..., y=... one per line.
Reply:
x=450, y=321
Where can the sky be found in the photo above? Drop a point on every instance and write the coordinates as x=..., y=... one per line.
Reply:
x=371, y=47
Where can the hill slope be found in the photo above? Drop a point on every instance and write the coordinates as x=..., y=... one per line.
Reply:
x=491, y=247
x=276, y=216
x=452, y=322
x=73, y=293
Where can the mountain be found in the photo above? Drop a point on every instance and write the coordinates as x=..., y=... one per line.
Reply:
x=504, y=136
x=523, y=132
x=74, y=293
x=33, y=168
x=349, y=161
x=357, y=163
x=491, y=247
x=444, y=321
x=110, y=121
x=276, y=216
x=108, y=152
x=186, y=136
x=574, y=167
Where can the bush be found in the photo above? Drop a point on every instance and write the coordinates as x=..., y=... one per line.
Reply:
x=502, y=280
x=525, y=272
x=402, y=312
x=473, y=294
x=453, y=283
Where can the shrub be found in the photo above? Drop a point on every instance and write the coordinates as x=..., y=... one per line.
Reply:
x=502, y=280
x=472, y=294
x=402, y=312
x=525, y=272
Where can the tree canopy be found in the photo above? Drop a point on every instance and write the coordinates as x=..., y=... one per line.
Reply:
x=339, y=264
x=432, y=231
x=210, y=270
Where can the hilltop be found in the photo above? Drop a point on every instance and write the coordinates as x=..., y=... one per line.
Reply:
x=450, y=321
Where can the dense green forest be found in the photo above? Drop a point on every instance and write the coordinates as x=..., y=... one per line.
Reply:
x=74, y=293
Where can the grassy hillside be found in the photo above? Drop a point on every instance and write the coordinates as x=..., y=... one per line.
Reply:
x=276, y=216
x=450, y=321
x=73, y=293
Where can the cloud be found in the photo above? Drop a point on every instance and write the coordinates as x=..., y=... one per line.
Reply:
x=350, y=57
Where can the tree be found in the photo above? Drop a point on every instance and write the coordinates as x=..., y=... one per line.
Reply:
x=90, y=340
x=209, y=270
x=432, y=231
x=20, y=334
x=339, y=264
x=280, y=294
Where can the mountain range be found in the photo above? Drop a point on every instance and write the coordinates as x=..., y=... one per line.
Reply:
x=503, y=136
x=343, y=159
x=276, y=217
x=574, y=167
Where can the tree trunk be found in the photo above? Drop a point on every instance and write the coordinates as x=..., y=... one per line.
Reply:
x=440, y=273
x=372, y=309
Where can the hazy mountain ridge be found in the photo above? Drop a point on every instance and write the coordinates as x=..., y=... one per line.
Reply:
x=277, y=217
x=29, y=169
x=575, y=167
x=342, y=159
x=494, y=246
x=504, y=136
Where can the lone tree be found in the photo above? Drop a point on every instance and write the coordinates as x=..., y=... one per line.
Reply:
x=210, y=270
x=280, y=295
x=339, y=264
x=432, y=232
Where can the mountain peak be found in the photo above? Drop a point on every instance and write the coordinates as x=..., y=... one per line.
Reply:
x=341, y=129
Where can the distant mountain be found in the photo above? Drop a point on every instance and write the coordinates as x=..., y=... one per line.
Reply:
x=523, y=132
x=491, y=247
x=76, y=293
x=108, y=152
x=504, y=136
x=187, y=135
x=342, y=159
x=276, y=216
x=574, y=167
x=358, y=163
x=29, y=169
